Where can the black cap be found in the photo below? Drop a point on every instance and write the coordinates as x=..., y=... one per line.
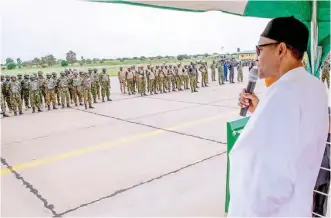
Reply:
x=288, y=30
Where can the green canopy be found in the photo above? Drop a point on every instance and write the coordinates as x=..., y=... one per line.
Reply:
x=315, y=14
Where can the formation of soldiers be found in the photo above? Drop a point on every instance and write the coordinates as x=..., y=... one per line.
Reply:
x=35, y=91
x=174, y=77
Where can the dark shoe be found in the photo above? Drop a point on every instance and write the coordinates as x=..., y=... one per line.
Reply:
x=59, y=104
x=4, y=115
x=49, y=107
x=29, y=106
x=81, y=104
x=33, y=110
x=94, y=101
x=103, y=100
x=85, y=106
x=15, y=113
x=21, y=113
x=76, y=105
x=109, y=99
x=39, y=110
x=90, y=106
x=62, y=106
x=68, y=105
x=54, y=107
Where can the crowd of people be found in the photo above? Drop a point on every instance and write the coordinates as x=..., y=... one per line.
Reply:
x=84, y=88
x=34, y=91
x=175, y=77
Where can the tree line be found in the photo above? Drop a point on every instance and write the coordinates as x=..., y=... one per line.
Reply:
x=71, y=58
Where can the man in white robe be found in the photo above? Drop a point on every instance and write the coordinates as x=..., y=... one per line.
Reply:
x=276, y=160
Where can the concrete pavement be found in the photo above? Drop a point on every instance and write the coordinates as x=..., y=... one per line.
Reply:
x=160, y=155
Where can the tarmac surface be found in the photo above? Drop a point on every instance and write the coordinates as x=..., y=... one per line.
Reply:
x=159, y=155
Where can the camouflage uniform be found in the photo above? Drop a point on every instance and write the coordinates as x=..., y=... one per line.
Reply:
x=162, y=80
x=129, y=79
x=2, y=98
x=220, y=70
x=179, y=77
x=142, y=82
x=152, y=81
x=6, y=93
x=86, y=83
x=25, y=90
x=185, y=76
x=213, y=71
x=70, y=86
x=147, y=72
x=134, y=81
x=34, y=89
x=105, y=85
x=77, y=93
x=240, y=76
x=193, y=77
x=97, y=81
x=93, y=86
x=63, y=84
x=54, y=76
x=326, y=74
x=121, y=78
x=50, y=91
x=42, y=85
x=14, y=88
x=204, y=74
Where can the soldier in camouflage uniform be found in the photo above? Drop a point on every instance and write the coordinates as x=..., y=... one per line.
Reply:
x=152, y=80
x=54, y=76
x=77, y=92
x=142, y=81
x=93, y=86
x=34, y=89
x=20, y=77
x=86, y=83
x=193, y=77
x=25, y=91
x=50, y=91
x=220, y=69
x=147, y=72
x=134, y=81
x=172, y=79
x=97, y=81
x=63, y=84
x=42, y=85
x=129, y=79
x=105, y=85
x=186, y=77
x=240, y=76
x=179, y=77
x=162, y=80
x=69, y=75
x=157, y=78
x=213, y=71
x=122, y=79
x=2, y=99
x=204, y=74
x=326, y=73
x=6, y=93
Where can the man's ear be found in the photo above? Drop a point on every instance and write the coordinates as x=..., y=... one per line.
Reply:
x=282, y=49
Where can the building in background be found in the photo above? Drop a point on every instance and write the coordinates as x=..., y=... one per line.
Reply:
x=246, y=55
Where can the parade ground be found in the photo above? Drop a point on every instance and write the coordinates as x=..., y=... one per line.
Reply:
x=158, y=155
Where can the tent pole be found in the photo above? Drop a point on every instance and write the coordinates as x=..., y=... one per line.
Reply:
x=313, y=37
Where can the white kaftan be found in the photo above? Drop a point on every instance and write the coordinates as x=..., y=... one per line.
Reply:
x=276, y=160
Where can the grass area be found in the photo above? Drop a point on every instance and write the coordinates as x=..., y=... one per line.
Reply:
x=111, y=66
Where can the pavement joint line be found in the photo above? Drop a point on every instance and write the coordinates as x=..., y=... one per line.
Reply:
x=140, y=184
x=130, y=138
x=33, y=190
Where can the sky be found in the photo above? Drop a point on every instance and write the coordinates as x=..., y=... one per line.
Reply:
x=34, y=28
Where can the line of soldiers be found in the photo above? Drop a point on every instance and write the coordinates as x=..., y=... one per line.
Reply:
x=166, y=78
x=71, y=87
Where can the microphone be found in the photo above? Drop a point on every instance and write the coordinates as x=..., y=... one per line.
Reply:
x=252, y=78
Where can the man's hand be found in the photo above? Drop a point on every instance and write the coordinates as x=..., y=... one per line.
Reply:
x=244, y=101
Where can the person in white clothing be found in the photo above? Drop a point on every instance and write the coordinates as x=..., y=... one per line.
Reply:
x=276, y=160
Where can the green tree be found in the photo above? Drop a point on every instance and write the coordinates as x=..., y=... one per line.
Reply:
x=11, y=65
x=64, y=63
x=50, y=60
x=71, y=57
x=36, y=62
x=9, y=60
x=19, y=62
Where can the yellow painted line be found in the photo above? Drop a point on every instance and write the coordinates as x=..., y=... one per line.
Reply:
x=134, y=137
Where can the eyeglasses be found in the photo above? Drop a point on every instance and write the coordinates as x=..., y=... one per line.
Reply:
x=258, y=47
